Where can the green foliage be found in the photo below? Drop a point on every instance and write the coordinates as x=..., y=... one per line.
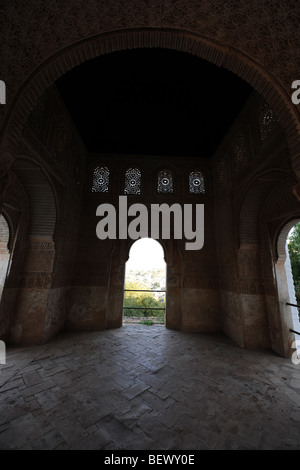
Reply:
x=147, y=280
x=146, y=322
x=294, y=252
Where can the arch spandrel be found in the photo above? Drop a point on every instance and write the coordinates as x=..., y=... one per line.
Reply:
x=230, y=57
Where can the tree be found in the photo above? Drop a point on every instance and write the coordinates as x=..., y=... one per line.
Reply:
x=142, y=300
x=294, y=251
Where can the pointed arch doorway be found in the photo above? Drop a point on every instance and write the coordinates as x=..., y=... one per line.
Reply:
x=288, y=281
x=145, y=284
x=4, y=252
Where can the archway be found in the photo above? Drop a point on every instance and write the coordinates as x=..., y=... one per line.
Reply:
x=286, y=287
x=4, y=252
x=231, y=59
x=145, y=283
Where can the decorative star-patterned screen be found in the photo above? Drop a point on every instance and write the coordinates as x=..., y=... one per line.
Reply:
x=100, y=180
x=165, y=182
x=133, y=178
x=196, y=183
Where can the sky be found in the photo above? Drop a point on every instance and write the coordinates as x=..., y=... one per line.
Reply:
x=146, y=254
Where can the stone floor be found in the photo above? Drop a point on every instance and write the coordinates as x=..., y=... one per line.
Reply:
x=146, y=387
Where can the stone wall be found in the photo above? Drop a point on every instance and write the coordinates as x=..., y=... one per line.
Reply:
x=253, y=177
x=50, y=165
x=98, y=283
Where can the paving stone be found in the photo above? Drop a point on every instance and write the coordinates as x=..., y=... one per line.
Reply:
x=53, y=371
x=47, y=400
x=93, y=416
x=157, y=431
x=187, y=441
x=97, y=441
x=130, y=416
x=155, y=403
x=61, y=379
x=171, y=415
x=91, y=429
x=135, y=390
x=141, y=388
x=141, y=442
x=11, y=398
x=32, y=378
x=37, y=388
x=15, y=436
x=123, y=380
x=119, y=433
x=14, y=383
x=48, y=441
x=71, y=430
x=47, y=363
x=9, y=414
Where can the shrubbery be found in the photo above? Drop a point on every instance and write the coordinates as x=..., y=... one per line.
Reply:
x=294, y=253
x=143, y=300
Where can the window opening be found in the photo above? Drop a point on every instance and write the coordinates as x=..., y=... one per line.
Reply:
x=196, y=183
x=100, y=180
x=165, y=182
x=133, y=179
x=288, y=277
x=145, y=284
x=4, y=252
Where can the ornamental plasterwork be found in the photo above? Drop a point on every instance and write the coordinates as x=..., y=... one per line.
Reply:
x=33, y=31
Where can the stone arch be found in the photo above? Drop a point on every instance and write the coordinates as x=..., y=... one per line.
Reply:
x=213, y=51
x=282, y=237
x=132, y=242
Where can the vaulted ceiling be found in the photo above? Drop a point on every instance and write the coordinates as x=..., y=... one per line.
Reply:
x=152, y=102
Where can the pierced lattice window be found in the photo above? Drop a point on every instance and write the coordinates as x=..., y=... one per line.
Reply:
x=196, y=182
x=240, y=155
x=133, y=178
x=267, y=121
x=165, y=182
x=100, y=180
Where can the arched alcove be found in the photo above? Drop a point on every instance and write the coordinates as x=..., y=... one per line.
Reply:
x=286, y=288
x=231, y=59
x=4, y=251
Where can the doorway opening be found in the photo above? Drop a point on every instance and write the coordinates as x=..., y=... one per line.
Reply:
x=4, y=252
x=145, y=284
x=288, y=279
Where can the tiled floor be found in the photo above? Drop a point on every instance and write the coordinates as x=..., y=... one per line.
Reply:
x=146, y=387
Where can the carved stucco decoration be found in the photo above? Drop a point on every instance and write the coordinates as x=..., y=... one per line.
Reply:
x=32, y=31
x=258, y=40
